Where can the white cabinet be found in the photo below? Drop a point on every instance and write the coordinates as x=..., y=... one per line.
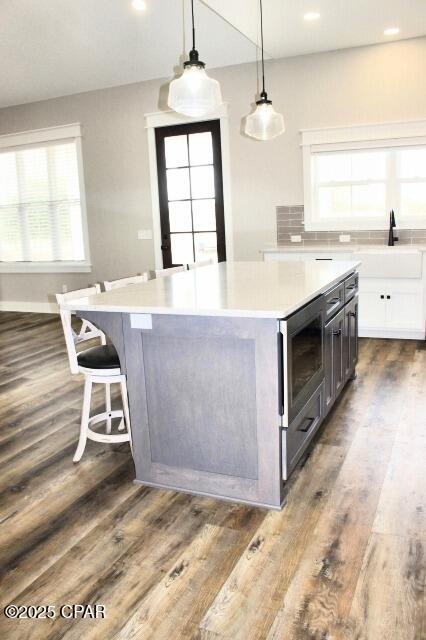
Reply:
x=372, y=310
x=390, y=306
x=405, y=311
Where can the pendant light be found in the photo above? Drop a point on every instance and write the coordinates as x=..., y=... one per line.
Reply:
x=194, y=93
x=265, y=123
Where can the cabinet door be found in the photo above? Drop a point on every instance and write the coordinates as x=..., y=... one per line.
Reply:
x=328, y=367
x=372, y=312
x=338, y=330
x=351, y=337
x=404, y=311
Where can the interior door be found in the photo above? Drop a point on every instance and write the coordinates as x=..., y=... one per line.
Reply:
x=189, y=166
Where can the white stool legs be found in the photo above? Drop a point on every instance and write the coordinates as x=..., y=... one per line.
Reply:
x=86, y=433
x=125, y=401
x=108, y=406
x=85, y=416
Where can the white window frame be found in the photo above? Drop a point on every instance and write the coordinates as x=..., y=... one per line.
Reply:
x=69, y=132
x=168, y=118
x=356, y=137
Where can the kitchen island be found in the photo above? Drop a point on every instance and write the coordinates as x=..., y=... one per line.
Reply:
x=230, y=371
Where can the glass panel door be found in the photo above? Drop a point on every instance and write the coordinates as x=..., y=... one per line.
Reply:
x=191, y=193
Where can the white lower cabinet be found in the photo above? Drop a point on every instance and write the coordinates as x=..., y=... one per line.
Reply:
x=392, y=306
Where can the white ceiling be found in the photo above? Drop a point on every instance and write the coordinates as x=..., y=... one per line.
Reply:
x=51, y=48
x=343, y=23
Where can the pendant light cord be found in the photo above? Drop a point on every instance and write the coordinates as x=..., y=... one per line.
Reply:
x=193, y=25
x=261, y=40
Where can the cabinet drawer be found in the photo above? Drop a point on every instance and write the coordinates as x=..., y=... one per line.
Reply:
x=334, y=300
x=299, y=433
x=351, y=286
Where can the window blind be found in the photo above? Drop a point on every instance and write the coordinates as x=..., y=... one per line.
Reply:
x=40, y=208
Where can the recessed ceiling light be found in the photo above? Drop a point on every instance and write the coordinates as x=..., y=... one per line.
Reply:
x=311, y=16
x=392, y=31
x=139, y=5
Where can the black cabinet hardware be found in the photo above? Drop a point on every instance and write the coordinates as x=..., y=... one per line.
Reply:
x=352, y=314
x=388, y=297
x=306, y=425
x=337, y=333
x=334, y=301
x=382, y=297
x=324, y=259
x=350, y=287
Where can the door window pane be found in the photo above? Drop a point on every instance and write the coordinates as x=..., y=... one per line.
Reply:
x=180, y=216
x=369, y=200
x=202, y=182
x=182, y=248
x=205, y=246
x=178, y=184
x=201, y=148
x=176, y=150
x=413, y=198
x=204, y=215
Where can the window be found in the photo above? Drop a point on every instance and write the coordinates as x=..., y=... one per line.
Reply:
x=353, y=185
x=189, y=168
x=42, y=221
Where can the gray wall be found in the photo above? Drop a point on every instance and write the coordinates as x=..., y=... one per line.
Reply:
x=363, y=85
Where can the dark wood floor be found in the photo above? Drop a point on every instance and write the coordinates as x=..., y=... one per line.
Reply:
x=343, y=560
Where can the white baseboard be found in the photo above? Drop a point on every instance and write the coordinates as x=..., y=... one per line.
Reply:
x=29, y=307
x=399, y=334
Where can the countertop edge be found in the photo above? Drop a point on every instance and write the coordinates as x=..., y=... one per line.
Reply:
x=278, y=314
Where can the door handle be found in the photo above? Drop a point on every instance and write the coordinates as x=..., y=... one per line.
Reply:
x=352, y=314
x=306, y=424
x=333, y=301
x=337, y=333
x=351, y=286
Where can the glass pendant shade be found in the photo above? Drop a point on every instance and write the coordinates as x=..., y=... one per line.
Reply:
x=194, y=93
x=265, y=123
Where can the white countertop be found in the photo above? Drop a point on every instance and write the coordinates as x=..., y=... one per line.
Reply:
x=238, y=289
x=344, y=247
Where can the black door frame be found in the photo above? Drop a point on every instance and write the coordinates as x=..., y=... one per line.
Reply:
x=161, y=133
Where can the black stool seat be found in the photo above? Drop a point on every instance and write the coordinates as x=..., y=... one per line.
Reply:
x=103, y=357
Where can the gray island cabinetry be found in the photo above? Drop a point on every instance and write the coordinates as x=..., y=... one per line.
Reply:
x=230, y=370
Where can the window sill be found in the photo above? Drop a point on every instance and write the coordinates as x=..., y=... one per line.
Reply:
x=45, y=267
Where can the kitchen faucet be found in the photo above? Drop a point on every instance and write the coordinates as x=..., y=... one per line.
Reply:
x=392, y=224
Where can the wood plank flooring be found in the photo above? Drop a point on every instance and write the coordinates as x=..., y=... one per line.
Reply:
x=345, y=559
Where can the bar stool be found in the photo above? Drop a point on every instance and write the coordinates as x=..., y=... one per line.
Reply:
x=201, y=263
x=160, y=273
x=99, y=365
x=124, y=282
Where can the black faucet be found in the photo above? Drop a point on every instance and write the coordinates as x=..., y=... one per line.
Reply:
x=392, y=224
